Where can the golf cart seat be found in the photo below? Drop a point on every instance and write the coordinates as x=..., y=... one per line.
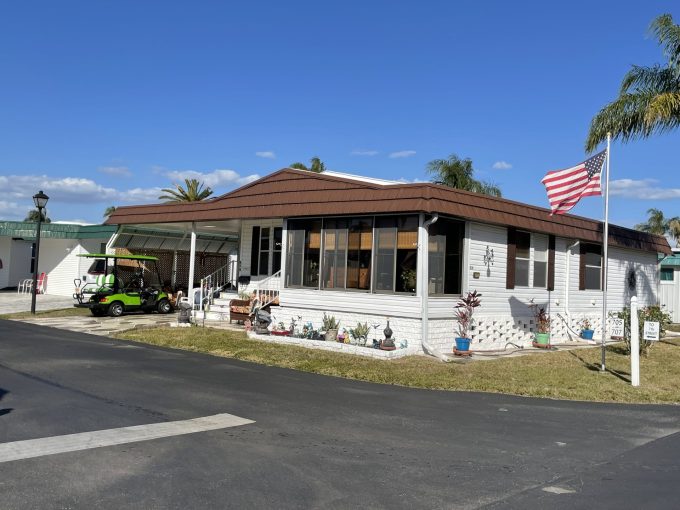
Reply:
x=106, y=283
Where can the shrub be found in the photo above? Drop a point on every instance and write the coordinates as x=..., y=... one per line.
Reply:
x=464, y=310
x=652, y=313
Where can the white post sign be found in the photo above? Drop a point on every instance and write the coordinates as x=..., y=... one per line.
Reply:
x=616, y=328
x=651, y=331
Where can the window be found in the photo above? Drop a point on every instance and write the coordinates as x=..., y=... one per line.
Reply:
x=522, y=259
x=445, y=260
x=590, y=267
x=265, y=249
x=667, y=274
x=540, y=249
x=304, y=249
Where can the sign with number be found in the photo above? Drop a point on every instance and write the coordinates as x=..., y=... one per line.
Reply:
x=651, y=331
x=616, y=328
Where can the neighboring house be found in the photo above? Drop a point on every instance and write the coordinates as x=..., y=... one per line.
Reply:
x=669, y=284
x=60, y=245
x=366, y=249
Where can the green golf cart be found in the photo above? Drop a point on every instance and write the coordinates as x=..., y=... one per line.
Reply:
x=128, y=283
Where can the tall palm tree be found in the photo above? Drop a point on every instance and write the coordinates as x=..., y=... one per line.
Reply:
x=649, y=98
x=194, y=192
x=32, y=216
x=316, y=165
x=658, y=224
x=109, y=211
x=459, y=173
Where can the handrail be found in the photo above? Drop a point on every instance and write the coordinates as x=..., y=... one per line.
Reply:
x=268, y=290
x=212, y=283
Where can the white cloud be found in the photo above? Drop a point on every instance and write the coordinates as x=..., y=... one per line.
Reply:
x=212, y=179
x=121, y=171
x=361, y=152
x=12, y=210
x=71, y=190
x=266, y=154
x=402, y=154
x=502, y=165
x=642, y=189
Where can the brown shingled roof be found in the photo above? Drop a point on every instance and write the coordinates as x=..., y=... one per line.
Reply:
x=296, y=193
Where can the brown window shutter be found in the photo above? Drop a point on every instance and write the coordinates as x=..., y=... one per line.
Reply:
x=582, y=267
x=255, y=252
x=551, y=262
x=512, y=251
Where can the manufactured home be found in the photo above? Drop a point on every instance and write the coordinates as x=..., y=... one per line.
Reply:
x=365, y=250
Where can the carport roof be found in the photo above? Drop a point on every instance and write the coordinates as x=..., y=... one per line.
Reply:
x=291, y=193
x=27, y=229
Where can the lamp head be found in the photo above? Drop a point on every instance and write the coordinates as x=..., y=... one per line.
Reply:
x=40, y=199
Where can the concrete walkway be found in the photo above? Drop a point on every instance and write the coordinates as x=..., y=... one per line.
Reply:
x=12, y=302
x=105, y=326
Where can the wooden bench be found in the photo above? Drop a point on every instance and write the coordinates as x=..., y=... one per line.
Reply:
x=239, y=310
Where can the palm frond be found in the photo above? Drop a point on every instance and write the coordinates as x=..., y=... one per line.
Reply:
x=668, y=35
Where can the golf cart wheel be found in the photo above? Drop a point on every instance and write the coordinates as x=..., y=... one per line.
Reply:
x=164, y=306
x=116, y=309
x=97, y=312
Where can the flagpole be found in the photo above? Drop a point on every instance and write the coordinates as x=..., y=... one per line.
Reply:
x=605, y=245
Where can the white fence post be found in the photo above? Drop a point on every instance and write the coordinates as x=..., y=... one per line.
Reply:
x=634, y=343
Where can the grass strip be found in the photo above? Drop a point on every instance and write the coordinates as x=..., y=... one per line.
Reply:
x=572, y=375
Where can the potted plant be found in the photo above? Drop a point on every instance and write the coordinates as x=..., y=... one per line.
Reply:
x=586, y=328
x=542, y=322
x=360, y=333
x=280, y=330
x=464, y=311
x=330, y=326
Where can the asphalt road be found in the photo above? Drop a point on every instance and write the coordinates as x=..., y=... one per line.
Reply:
x=317, y=442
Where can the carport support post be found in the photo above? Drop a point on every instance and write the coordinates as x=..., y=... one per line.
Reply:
x=192, y=260
x=174, y=269
x=634, y=343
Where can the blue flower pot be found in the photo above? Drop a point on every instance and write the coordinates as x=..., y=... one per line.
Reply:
x=462, y=344
x=587, y=334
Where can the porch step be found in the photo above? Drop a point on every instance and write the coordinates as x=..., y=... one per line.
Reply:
x=222, y=301
x=215, y=307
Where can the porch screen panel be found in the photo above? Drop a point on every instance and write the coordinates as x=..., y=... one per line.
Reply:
x=445, y=256
x=385, y=253
x=359, y=250
x=304, y=248
x=334, y=253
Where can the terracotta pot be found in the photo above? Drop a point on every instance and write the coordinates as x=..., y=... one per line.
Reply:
x=331, y=335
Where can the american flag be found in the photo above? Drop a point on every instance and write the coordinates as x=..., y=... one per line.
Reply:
x=566, y=187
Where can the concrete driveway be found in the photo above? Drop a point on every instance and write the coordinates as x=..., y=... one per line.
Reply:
x=12, y=302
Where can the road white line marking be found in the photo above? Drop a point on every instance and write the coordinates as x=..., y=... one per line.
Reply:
x=85, y=440
x=558, y=490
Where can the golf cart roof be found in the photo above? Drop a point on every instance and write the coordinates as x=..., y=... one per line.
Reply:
x=127, y=257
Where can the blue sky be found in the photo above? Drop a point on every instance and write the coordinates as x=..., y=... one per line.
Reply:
x=103, y=103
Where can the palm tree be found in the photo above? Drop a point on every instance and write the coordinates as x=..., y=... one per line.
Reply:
x=649, y=98
x=458, y=173
x=316, y=165
x=109, y=211
x=32, y=216
x=660, y=225
x=194, y=192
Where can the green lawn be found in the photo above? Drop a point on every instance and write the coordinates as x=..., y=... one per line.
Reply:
x=570, y=375
x=61, y=312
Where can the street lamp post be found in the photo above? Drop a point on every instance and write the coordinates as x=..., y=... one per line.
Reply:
x=40, y=201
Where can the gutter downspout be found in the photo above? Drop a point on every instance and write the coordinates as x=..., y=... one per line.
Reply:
x=568, y=275
x=424, y=291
